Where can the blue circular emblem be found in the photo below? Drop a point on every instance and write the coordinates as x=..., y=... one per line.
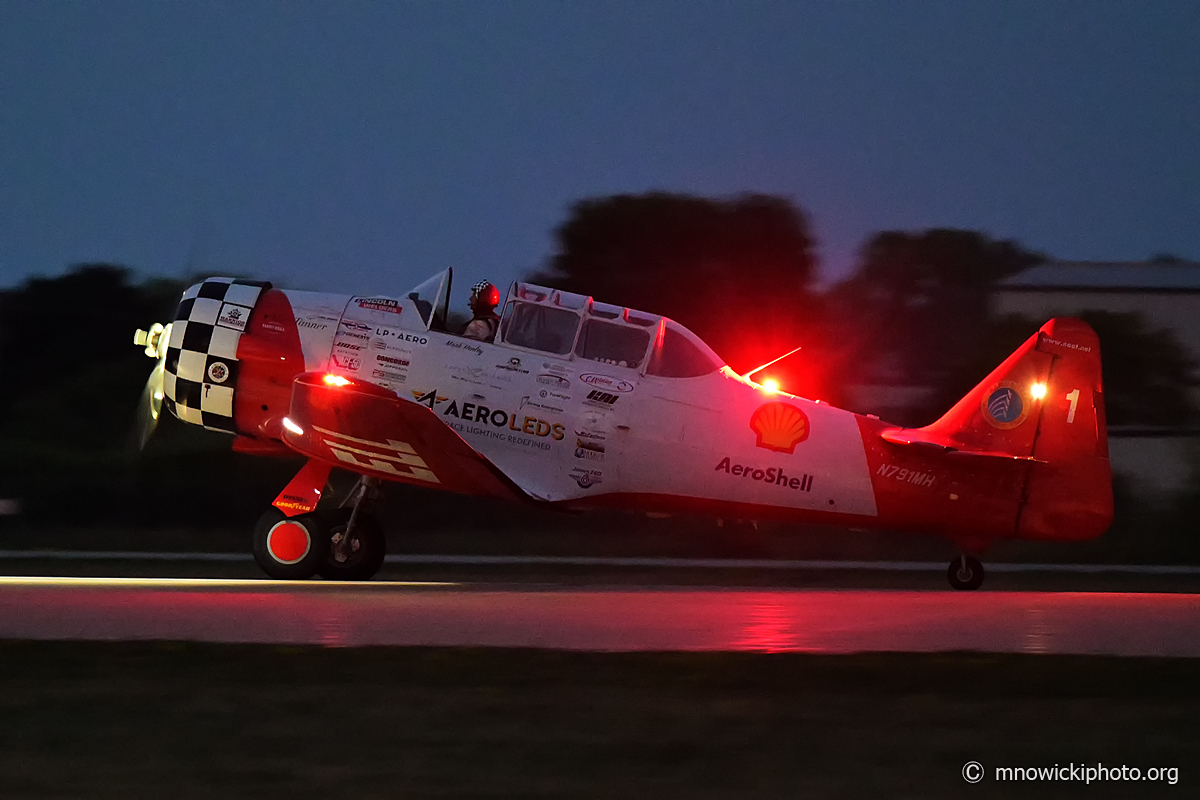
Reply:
x=1003, y=406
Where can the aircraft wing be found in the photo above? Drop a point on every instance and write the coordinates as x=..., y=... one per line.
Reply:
x=367, y=429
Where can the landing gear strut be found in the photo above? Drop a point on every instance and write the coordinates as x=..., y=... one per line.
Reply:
x=965, y=572
x=342, y=544
x=356, y=542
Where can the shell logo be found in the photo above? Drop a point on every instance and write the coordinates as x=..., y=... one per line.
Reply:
x=779, y=427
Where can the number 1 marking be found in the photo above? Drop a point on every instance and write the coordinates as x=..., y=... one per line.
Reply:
x=1074, y=398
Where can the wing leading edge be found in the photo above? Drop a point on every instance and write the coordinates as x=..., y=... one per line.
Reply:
x=369, y=430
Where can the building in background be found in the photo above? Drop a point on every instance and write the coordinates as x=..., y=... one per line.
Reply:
x=1166, y=294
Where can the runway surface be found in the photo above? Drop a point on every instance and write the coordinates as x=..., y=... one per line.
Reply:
x=617, y=619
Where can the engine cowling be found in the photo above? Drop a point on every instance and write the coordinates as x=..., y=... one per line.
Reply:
x=233, y=352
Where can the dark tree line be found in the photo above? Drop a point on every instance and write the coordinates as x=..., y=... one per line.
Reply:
x=739, y=272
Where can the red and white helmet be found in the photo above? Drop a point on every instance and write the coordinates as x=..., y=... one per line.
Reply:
x=484, y=293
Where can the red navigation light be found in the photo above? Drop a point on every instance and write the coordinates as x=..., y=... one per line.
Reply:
x=336, y=380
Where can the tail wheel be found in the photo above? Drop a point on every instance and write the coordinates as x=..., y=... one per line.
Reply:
x=965, y=573
x=357, y=559
x=290, y=548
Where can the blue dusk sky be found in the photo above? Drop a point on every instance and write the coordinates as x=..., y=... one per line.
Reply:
x=361, y=146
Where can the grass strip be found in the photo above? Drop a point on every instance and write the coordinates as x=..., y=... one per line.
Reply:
x=135, y=720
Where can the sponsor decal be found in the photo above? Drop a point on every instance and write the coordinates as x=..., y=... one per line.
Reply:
x=595, y=436
x=232, y=316
x=380, y=304
x=894, y=472
x=586, y=478
x=497, y=418
x=291, y=502
x=390, y=335
x=531, y=403
x=312, y=323
x=772, y=475
x=398, y=362
x=356, y=326
x=218, y=372
x=602, y=398
x=388, y=375
x=353, y=347
x=431, y=399
x=362, y=337
x=588, y=449
x=513, y=365
x=465, y=346
x=1003, y=406
x=379, y=344
x=606, y=382
x=779, y=427
x=351, y=363
x=273, y=326
x=1069, y=345
x=548, y=394
x=556, y=381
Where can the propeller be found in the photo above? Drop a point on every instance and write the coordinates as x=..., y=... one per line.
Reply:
x=150, y=405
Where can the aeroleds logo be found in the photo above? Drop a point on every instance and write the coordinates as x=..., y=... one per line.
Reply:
x=497, y=418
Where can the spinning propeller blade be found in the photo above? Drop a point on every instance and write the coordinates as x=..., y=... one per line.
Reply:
x=150, y=404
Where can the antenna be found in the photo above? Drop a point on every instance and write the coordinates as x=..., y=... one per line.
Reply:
x=747, y=375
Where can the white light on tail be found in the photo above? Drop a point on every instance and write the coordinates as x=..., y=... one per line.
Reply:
x=293, y=427
x=771, y=385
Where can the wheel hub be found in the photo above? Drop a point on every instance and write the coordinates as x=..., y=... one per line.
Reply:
x=288, y=542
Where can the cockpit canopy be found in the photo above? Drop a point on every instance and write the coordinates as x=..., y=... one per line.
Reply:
x=573, y=325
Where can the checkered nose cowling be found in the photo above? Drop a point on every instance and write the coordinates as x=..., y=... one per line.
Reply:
x=201, y=368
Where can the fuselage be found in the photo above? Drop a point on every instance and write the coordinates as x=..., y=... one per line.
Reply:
x=589, y=432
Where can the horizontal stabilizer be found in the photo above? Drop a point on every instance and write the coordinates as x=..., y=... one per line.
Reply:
x=921, y=438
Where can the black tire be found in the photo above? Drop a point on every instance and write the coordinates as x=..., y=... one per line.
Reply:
x=290, y=548
x=369, y=545
x=965, y=573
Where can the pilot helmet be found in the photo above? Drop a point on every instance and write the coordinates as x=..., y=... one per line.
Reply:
x=484, y=294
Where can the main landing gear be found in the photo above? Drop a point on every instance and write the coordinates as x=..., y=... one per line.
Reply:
x=965, y=573
x=341, y=544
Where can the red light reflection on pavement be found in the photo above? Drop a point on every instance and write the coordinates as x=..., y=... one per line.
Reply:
x=769, y=629
x=339, y=615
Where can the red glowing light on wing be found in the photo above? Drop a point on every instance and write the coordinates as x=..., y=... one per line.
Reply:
x=336, y=380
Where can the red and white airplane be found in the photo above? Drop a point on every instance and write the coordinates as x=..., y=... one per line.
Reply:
x=581, y=404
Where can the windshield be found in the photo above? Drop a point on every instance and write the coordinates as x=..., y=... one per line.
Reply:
x=432, y=298
x=681, y=354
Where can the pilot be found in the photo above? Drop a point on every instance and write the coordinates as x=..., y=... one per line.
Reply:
x=484, y=298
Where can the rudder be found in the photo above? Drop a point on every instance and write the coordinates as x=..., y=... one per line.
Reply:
x=1068, y=494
